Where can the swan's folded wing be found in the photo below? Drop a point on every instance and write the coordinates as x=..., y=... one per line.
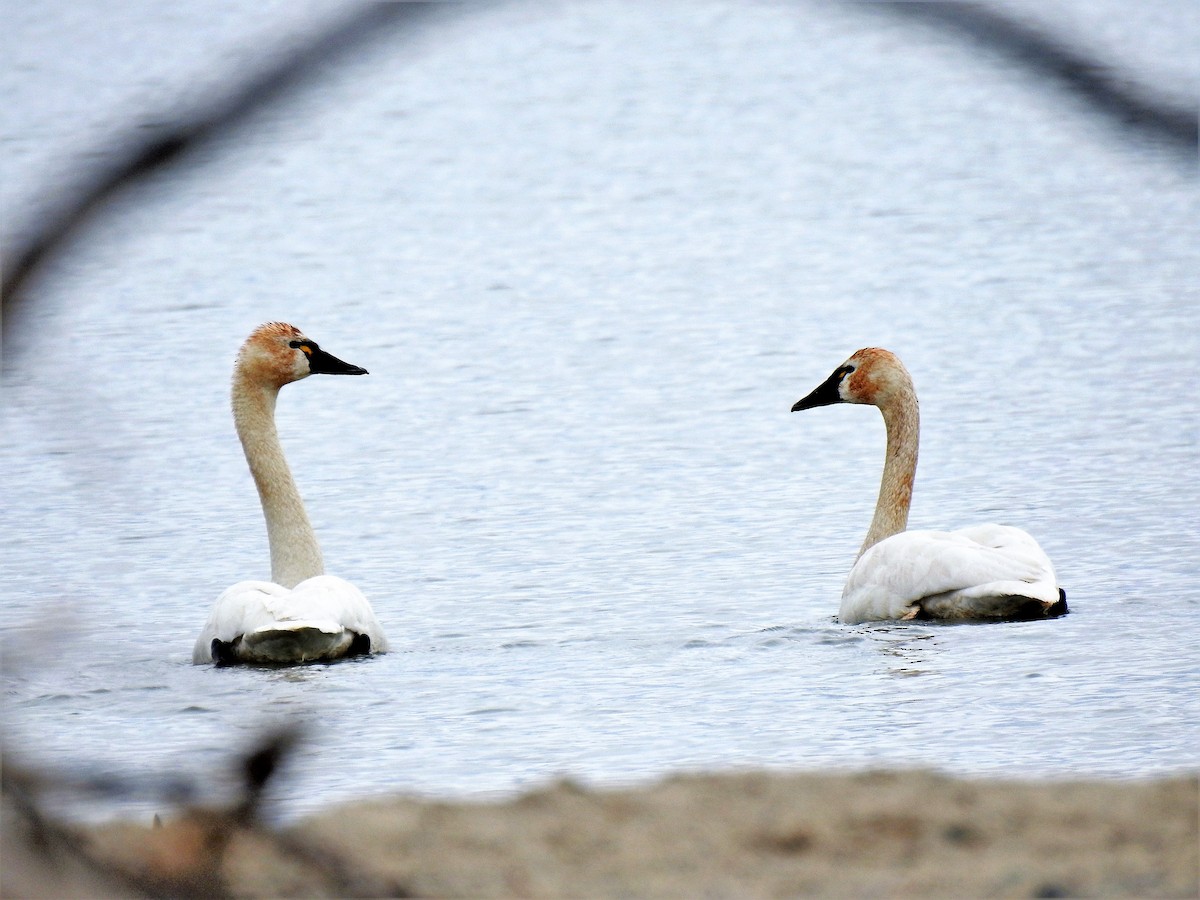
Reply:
x=894, y=576
x=329, y=597
x=241, y=608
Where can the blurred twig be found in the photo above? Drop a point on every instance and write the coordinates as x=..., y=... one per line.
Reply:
x=138, y=156
x=184, y=858
x=1095, y=82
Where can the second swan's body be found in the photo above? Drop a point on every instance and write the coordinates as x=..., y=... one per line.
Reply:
x=979, y=573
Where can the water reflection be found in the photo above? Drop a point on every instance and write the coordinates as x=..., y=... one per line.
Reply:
x=906, y=648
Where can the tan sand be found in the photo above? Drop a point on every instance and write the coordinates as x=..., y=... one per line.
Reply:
x=905, y=834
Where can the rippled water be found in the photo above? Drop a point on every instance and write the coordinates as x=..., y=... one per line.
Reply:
x=591, y=256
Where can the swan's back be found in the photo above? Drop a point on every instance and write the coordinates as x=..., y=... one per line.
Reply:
x=983, y=572
x=259, y=622
x=324, y=617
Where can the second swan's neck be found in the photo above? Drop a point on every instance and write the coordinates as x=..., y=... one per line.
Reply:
x=295, y=554
x=902, y=418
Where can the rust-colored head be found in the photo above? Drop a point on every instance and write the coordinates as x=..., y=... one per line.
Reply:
x=276, y=354
x=871, y=375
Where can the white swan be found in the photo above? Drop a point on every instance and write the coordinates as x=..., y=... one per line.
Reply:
x=304, y=615
x=984, y=572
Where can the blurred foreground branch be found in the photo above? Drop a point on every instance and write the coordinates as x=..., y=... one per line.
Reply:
x=1096, y=83
x=137, y=156
x=187, y=856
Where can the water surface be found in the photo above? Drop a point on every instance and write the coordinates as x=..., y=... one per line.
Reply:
x=591, y=256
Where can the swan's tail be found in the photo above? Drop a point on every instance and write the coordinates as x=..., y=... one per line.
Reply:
x=1060, y=608
x=996, y=608
x=291, y=642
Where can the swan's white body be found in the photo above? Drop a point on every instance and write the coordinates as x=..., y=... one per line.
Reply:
x=978, y=573
x=267, y=623
x=301, y=615
x=984, y=572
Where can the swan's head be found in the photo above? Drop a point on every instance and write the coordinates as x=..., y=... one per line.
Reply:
x=277, y=354
x=869, y=376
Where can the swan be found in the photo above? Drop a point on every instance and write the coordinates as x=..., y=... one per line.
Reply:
x=985, y=572
x=302, y=614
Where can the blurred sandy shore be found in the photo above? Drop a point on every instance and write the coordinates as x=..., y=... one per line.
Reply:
x=895, y=834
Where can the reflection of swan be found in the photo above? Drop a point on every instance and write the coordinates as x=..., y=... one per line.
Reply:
x=984, y=572
x=908, y=652
x=305, y=615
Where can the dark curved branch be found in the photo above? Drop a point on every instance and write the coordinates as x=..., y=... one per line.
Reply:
x=138, y=157
x=1097, y=84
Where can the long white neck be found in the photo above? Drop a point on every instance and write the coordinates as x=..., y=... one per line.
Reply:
x=903, y=421
x=295, y=554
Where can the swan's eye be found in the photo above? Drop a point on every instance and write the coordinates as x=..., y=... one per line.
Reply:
x=844, y=371
x=303, y=346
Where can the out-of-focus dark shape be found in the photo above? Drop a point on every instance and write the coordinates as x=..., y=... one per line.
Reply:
x=1104, y=89
x=137, y=156
x=259, y=766
x=45, y=859
x=187, y=856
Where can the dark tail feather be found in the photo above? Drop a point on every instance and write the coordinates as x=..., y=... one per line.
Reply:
x=1059, y=608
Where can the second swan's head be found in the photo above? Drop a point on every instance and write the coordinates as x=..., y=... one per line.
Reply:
x=871, y=375
x=276, y=354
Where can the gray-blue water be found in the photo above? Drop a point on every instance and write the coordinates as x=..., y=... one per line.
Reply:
x=591, y=254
